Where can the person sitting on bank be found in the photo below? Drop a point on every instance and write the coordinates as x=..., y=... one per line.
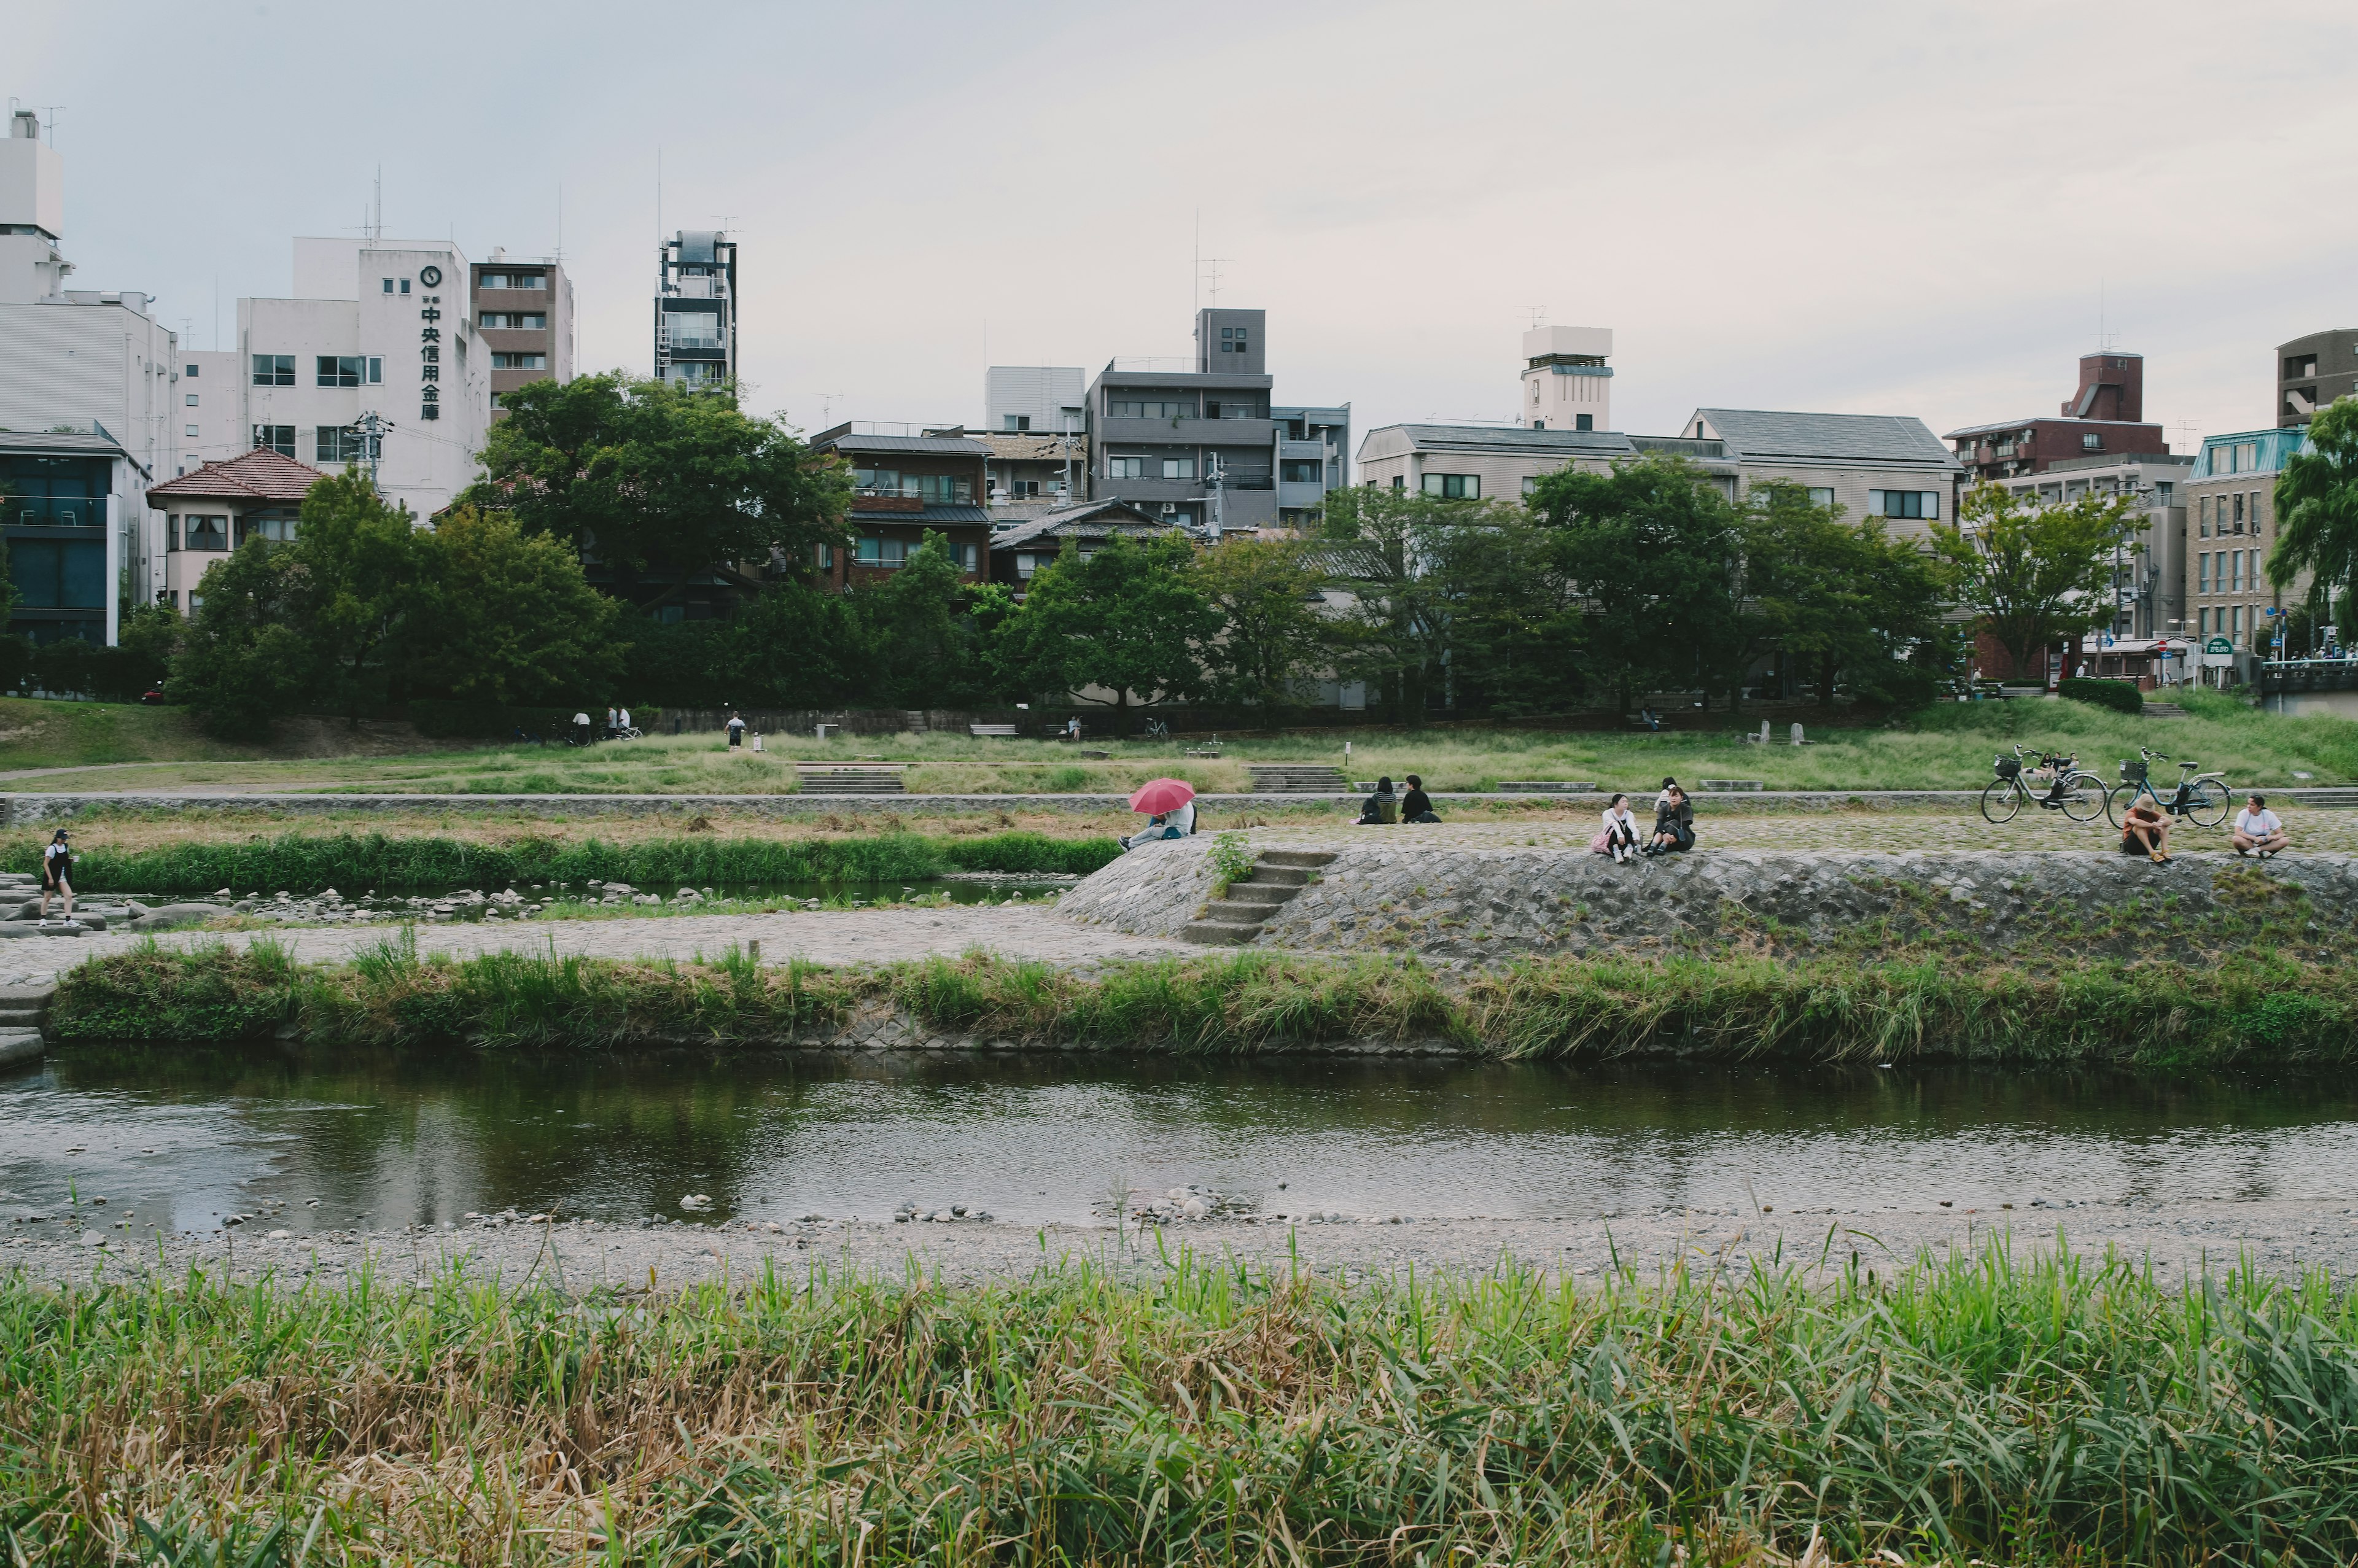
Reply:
x=1416, y=805
x=1673, y=823
x=1158, y=827
x=2259, y=830
x=1382, y=808
x=2145, y=830
x=1618, y=836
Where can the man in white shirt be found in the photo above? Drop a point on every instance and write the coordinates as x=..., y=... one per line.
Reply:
x=2258, y=829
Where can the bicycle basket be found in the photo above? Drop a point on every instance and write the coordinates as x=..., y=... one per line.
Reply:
x=2132, y=772
x=2008, y=766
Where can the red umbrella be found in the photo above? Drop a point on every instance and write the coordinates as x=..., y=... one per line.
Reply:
x=1162, y=794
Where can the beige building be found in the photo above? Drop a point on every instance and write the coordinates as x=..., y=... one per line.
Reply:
x=1567, y=385
x=2231, y=526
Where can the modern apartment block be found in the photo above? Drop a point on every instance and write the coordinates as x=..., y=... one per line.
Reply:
x=696, y=308
x=1567, y=385
x=2149, y=574
x=2103, y=417
x=92, y=411
x=2229, y=529
x=908, y=480
x=1205, y=448
x=1040, y=399
x=2312, y=372
x=524, y=308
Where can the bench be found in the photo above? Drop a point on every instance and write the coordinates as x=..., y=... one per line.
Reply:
x=982, y=731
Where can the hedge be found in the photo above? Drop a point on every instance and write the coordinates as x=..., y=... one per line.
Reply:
x=2117, y=695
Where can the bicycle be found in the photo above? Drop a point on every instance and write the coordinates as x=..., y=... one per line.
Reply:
x=2200, y=799
x=1157, y=730
x=2078, y=795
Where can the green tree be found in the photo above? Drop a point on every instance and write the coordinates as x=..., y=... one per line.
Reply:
x=145, y=638
x=1382, y=543
x=655, y=481
x=1274, y=628
x=506, y=618
x=922, y=646
x=2035, y=575
x=242, y=661
x=2316, y=510
x=1830, y=595
x=1128, y=618
x=354, y=569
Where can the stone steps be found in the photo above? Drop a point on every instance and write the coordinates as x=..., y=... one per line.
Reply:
x=1279, y=876
x=851, y=781
x=1288, y=778
x=2164, y=710
x=24, y=1012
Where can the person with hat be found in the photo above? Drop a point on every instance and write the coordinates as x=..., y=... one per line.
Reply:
x=57, y=872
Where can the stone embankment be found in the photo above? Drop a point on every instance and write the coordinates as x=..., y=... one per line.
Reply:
x=1383, y=892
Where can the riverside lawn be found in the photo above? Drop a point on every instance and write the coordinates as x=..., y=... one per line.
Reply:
x=1946, y=746
x=2034, y=1410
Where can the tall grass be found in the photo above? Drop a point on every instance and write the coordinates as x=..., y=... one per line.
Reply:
x=2239, y=1010
x=2026, y=1411
x=354, y=862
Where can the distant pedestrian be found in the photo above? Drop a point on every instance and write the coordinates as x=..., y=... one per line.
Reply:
x=736, y=730
x=1416, y=805
x=57, y=873
x=613, y=724
x=581, y=729
x=2259, y=830
x=624, y=727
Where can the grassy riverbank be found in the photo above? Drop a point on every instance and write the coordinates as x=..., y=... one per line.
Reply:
x=2035, y=1412
x=354, y=862
x=2237, y=1010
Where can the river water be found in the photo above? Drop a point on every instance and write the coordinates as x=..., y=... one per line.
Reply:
x=175, y=1139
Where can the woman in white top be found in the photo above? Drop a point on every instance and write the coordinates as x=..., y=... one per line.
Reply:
x=1619, y=839
x=2258, y=829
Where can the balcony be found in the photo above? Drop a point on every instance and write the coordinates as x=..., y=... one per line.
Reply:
x=1185, y=432
x=53, y=512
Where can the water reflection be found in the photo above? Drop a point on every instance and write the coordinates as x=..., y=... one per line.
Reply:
x=179, y=1139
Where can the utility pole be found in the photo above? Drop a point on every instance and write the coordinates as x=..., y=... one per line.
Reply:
x=1213, y=479
x=372, y=427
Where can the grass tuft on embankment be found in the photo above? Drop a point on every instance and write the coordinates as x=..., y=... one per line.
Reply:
x=355, y=862
x=1983, y=1407
x=2246, y=1009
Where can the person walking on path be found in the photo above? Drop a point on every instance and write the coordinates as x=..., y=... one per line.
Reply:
x=1382, y=808
x=1673, y=823
x=2259, y=830
x=2146, y=831
x=1416, y=805
x=581, y=729
x=57, y=873
x=736, y=730
x=1618, y=837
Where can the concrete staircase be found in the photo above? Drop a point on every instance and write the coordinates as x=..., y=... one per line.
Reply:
x=2317, y=800
x=1296, y=778
x=2164, y=710
x=851, y=780
x=1278, y=875
x=24, y=1010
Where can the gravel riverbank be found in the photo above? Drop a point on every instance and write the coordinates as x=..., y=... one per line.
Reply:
x=2282, y=1239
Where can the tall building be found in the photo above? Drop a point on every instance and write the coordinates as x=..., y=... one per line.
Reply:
x=696, y=308
x=2231, y=526
x=908, y=480
x=2149, y=571
x=379, y=335
x=1043, y=400
x=92, y=410
x=1567, y=385
x=524, y=308
x=2104, y=416
x=2312, y=372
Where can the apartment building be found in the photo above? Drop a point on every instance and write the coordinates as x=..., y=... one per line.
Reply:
x=2230, y=527
x=2314, y=370
x=908, y=480
x=696, y=308
x=2103, y=417
x=92, y=410
x=2149, y=574
x=1035, y=399
x=524, y=308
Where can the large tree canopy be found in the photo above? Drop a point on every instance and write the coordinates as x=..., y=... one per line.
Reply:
x=655, y=481
x=2035, y=575
x=1128, y=618
x=2317, y=510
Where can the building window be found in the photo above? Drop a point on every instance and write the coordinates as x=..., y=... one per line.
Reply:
x=692, y=373
x=1903, y=504
x=1301, y=471
x=1178, y=468
x=342, y=369
x=273, y=370
x=388, y=285
x=1453, y=486
x=193, y=400
x=1399, y=482
x=1125, y=468
x=1584, y=421
x=1016, y=421
x=823, y=556
x=2202, y=572
x=884, y=553
x=876, y=482
x=2202, y=518
x=519, y=362
x=405, y=285
x=190, y=431
x=1232, y=340
x=204, y=533
x=942, y=489
x=278, y=527
x=338, y=444
x=192, y=373
x=964, y=555
x=2165, y=493
x=1150, y=408
x=689, y=329
x=2239, y=512
x=515, y=280
x=2091, y=442
x=279, y=439
x=2297, y=368
x=1821, y=495
x=535, y=321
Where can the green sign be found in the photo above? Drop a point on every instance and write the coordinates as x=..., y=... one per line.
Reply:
x=2219, y=645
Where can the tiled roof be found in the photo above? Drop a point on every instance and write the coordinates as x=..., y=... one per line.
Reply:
x=928, y=514
x=1581, y=443
x=1761, y=435
x=1023, y=446
x=1088, y=519
x=261, y=475
x=925, y=446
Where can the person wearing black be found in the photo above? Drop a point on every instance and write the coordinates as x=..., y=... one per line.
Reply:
x=1673, y=823
x=1416, y=805
x=57, y=873
x=1382, y=808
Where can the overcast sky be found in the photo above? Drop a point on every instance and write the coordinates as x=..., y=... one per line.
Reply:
x=1902, y=209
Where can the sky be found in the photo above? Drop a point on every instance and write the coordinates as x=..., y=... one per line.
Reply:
x=1916, y=209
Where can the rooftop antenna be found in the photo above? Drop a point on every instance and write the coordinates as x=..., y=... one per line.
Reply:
x=1212, y=264
x=727, y=221
x=2103, y=339
x=376, y=209
x=1538, y=314
x=2189, y=435
x=560, y=219
x=1195, y=271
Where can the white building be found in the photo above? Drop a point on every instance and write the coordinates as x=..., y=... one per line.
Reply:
x=1567, y=385
x=91, y=399
x=375, y=328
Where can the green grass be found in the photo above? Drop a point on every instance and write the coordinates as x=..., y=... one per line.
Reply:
x=355, y=863
x=2253, y=1008
x=44, y=734
x=1985, y=1407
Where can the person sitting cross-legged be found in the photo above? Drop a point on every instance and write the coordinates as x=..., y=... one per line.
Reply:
x=2259, y=831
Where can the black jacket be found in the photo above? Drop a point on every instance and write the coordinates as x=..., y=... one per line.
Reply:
x=1414, y=804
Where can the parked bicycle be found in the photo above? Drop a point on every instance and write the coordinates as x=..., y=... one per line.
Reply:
x=2202, y=798
x=1157, y=730
x=2077, y=795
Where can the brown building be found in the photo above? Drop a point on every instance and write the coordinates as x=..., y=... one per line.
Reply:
x=2312, y=372
x=523, y=307
x=2231, y=526
x=2105, y=417
x=908, y=480
x=1018, y=550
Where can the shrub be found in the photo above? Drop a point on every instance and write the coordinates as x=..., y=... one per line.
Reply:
x=2117, y=695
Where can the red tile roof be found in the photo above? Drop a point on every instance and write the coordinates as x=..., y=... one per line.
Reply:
x=261, y=475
